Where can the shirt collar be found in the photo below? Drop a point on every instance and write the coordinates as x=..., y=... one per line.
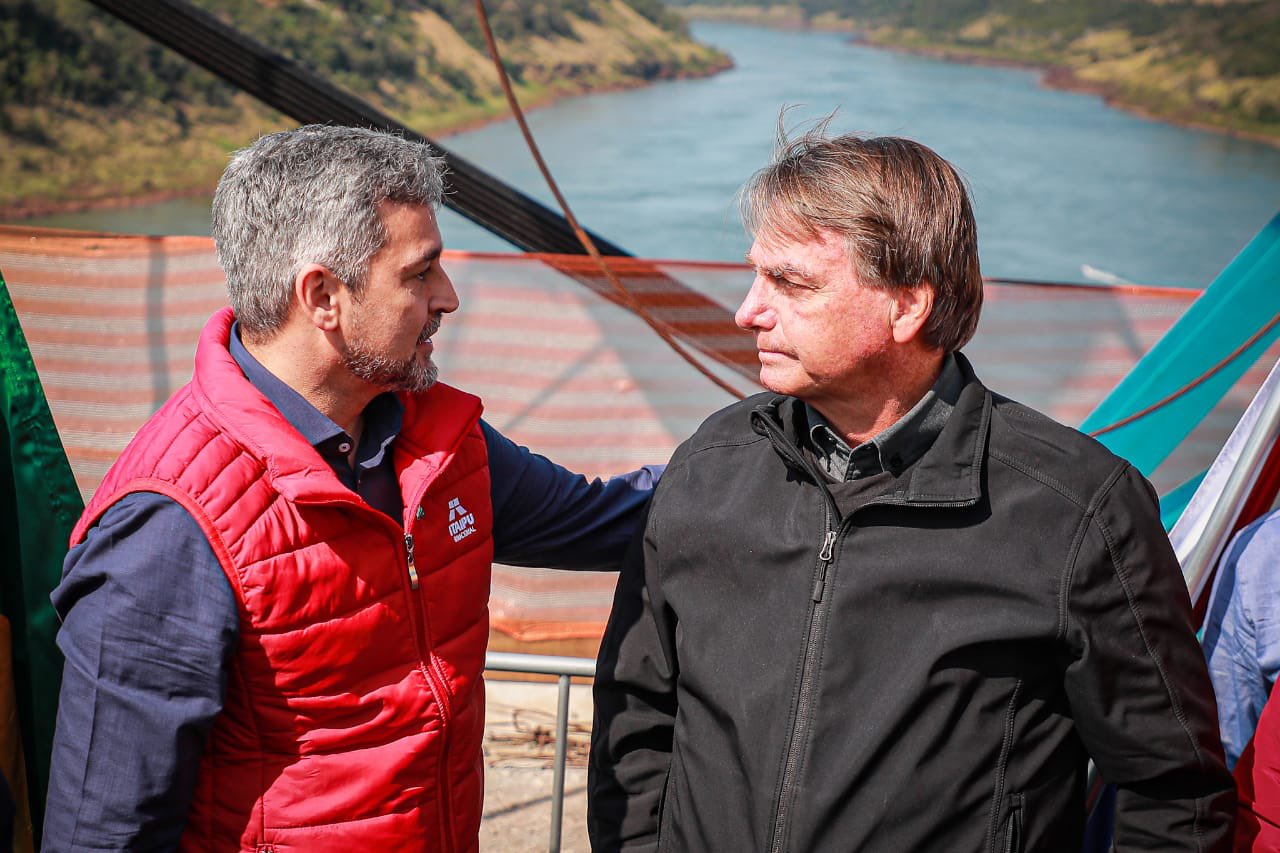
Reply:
x=896, y=447
x=383, y=415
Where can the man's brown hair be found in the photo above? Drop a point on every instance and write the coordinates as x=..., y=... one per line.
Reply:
x=903, y=210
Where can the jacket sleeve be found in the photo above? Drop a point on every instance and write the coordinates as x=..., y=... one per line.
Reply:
x=547, y=516
x=1136, y=679
x=1242, y=631
x=635, y=706
x=149, y=627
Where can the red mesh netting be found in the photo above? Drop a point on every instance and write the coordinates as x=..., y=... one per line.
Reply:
x=112, y=323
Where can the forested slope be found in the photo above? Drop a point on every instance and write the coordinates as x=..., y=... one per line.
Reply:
x=91, y=112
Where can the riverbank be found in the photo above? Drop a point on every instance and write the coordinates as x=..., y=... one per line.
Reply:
x=1146, y=76
x=787, y=17
x=69, y=152
x=1068, y=79
x=181, y=166
x=1059, y=180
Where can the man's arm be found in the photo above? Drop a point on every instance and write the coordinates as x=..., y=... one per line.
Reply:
x=546, y=515
x=1242, y=631
x=635, y=708
x=1137, y=683
x=149, y=626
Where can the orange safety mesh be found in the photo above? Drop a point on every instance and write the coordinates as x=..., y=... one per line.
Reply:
x=112, y=323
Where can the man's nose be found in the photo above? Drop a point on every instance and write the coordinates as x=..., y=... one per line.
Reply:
x=751, y=314
x=445, y=298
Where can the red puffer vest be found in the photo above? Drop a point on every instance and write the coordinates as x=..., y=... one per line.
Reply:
x=354, y=709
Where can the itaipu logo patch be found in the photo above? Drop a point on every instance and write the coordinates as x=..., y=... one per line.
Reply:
x=461, y=523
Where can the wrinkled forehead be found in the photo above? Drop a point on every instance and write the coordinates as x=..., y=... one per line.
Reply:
x=802, y=251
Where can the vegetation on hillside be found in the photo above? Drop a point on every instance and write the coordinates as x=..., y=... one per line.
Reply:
x=91, y=111
x=1208, y=62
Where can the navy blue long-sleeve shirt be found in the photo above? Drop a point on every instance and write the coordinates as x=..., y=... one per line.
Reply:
x=147, y=658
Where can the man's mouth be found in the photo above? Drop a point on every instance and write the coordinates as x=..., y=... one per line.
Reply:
x=431, y=329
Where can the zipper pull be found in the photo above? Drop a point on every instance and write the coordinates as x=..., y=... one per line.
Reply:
x=827, y=545
x=824, y=560
x=413, y=570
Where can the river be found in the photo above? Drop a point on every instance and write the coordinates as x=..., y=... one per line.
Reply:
x=1065, y=187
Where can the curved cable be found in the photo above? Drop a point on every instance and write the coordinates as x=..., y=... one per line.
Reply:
x=1195, y=383
x=628, y=298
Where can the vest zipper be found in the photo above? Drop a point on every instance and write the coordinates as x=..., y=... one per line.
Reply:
x=413, y=569
x=436, y=681
x=804, y=701
x=429, y=665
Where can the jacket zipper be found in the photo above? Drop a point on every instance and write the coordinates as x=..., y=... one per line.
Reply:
x=817, y=617
x=799, y=729
x=824, y=560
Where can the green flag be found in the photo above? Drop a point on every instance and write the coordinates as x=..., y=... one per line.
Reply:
x=39, y=504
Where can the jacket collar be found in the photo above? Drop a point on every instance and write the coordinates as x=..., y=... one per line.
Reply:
x=949, y=472
x=435, y=422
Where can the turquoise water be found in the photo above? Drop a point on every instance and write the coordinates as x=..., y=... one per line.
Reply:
x=1065, y=187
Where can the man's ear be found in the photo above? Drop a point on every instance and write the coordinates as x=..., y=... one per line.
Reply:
x=317, y=292
x=910, y=311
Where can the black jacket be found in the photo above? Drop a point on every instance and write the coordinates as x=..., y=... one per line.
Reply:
x=932, y=672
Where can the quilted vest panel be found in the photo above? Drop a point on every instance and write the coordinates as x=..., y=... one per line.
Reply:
x=354, y=710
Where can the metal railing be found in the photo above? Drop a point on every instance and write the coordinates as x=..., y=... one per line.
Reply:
x=564, y=668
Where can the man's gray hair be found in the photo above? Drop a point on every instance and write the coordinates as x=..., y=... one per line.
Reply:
x=311, y=196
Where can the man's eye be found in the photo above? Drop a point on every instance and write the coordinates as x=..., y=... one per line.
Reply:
x=422, y=276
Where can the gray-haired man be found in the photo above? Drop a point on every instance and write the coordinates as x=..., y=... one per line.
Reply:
x=881, y=608
x=275, y=604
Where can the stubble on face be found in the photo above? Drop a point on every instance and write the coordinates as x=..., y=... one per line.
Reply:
x=413, y=374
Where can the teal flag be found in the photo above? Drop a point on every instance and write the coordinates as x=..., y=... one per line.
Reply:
x=1241, y=301
x=39, y=504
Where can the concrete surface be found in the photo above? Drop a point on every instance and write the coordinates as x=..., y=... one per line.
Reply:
x=519, y=752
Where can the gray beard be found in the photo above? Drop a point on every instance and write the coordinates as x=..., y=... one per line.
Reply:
x=409, y=375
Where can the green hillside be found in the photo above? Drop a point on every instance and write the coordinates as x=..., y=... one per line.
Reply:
x=93, y=113
x=1214, y=63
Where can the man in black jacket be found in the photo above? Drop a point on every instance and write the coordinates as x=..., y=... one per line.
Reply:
x=882, y=608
